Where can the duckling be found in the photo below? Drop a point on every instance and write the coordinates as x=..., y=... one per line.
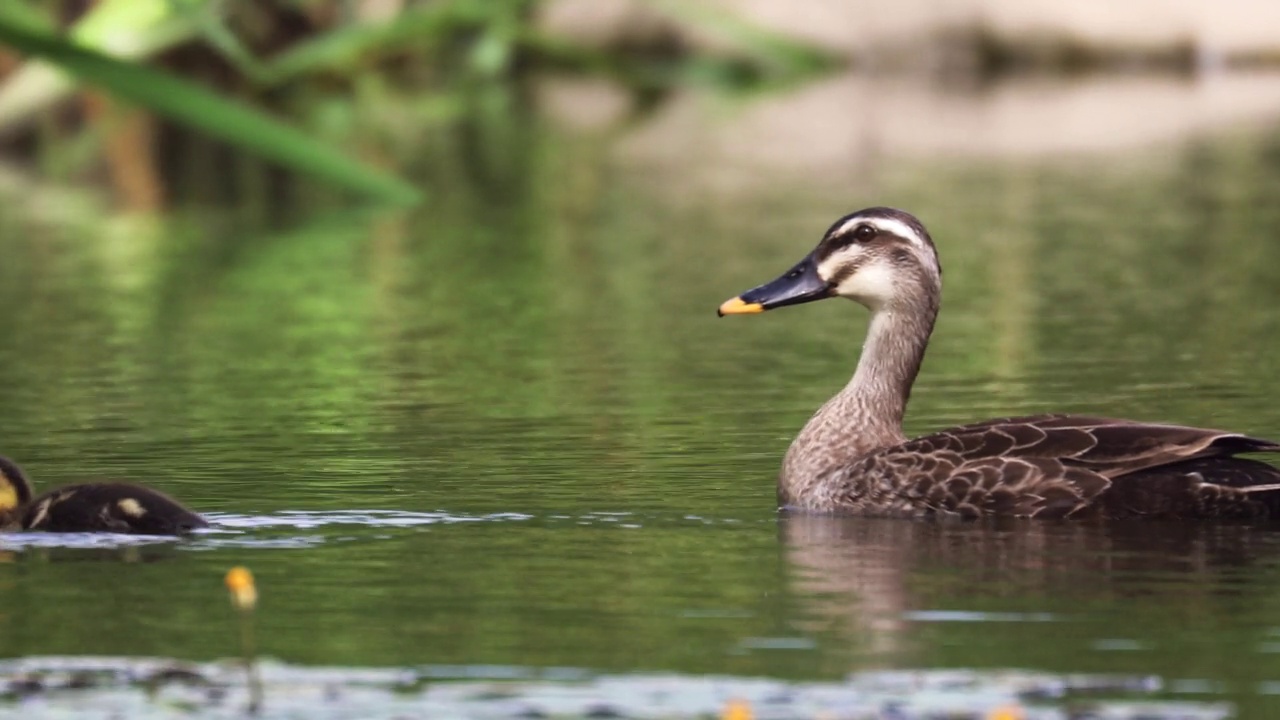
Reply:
x=91, y=507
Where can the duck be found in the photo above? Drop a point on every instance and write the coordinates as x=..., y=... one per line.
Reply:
x=852, y=457
x=116, y=507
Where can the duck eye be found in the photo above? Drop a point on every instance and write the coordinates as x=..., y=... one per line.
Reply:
x=864, y=232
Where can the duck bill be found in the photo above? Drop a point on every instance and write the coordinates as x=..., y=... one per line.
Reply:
x=800, y=284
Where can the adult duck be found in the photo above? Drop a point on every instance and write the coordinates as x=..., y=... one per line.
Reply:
x=852, y=456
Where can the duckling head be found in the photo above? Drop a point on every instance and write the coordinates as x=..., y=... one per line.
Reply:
x=880, y=257
x=15, y=490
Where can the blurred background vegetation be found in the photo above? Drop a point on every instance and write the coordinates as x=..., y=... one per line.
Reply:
x=195, y=294
x=202, y=91
x=234, y=101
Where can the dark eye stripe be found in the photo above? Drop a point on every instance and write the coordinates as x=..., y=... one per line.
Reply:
x=844, y=239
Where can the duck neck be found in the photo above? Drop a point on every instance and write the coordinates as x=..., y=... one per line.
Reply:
x=867, y=414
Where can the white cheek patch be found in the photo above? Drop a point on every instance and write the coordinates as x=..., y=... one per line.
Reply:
x=830, y=266
x=873, y=284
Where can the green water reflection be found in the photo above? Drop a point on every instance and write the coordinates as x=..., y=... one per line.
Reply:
x=550, y=349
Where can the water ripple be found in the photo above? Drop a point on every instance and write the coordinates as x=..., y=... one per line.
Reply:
x=368, y=518
x=242, y=530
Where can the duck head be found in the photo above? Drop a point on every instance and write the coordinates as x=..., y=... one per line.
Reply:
x=880, y=257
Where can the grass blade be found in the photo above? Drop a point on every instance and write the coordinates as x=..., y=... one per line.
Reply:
x=194, y=106
x=125, y=29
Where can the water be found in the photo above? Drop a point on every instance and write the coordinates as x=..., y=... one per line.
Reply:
x=506, y=434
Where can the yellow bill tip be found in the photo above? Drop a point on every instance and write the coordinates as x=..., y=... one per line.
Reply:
x=738, y=306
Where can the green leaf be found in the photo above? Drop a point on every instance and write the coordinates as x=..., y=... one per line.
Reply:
x=194, y=106
x=124, y=29
x=423, y=27
x=22, y=15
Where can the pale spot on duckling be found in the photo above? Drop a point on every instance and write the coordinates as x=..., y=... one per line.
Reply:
x=131, y=507
x=41, y=513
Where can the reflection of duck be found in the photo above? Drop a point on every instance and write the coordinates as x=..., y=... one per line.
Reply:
x=91, y=507
x=852, y=456
x=872, y=580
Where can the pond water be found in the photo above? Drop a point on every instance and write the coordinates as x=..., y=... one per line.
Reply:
x=505, y=435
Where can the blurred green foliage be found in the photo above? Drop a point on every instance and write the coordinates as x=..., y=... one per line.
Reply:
x=270, y=77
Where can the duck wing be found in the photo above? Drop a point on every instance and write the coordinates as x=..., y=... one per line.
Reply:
x=1059, y=466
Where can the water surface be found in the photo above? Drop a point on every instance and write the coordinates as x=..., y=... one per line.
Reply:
x=507, y=430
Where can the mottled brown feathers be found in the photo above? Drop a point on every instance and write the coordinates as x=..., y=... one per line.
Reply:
x=1055, y=466
x=91, y=507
